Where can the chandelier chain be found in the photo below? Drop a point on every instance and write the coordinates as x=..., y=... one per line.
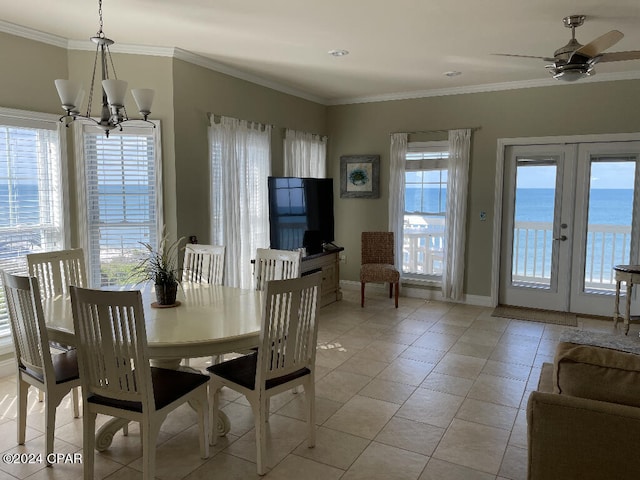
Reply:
x=100, y=32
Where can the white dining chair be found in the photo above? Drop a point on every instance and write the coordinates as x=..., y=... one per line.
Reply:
x=271, y=264
x=55, y=375
x=203, y=263
x=57, y=270
x=284, y=359
x=117, y=379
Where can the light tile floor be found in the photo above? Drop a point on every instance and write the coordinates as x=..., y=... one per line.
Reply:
x=430, y=391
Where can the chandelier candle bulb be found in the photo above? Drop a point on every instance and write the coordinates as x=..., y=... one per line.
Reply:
x=144, y=99
x=115, y=90
x=68, y=92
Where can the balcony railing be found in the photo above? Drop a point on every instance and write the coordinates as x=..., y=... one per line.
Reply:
x=423, y=246
x=607, y=246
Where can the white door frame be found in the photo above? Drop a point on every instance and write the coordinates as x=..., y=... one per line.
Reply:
x=499, y=186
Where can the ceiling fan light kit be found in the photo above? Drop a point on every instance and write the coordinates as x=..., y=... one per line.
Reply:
x=574, y=60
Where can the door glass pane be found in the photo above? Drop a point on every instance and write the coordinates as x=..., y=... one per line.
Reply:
x=610, y=210
x=533, y=222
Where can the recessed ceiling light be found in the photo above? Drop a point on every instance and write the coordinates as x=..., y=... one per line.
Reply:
x=452, y=73
x=338, y=53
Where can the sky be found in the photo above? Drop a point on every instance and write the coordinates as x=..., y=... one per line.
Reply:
x=603, y=175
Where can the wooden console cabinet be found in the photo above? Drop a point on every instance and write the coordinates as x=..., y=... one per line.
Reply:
x=329, y=263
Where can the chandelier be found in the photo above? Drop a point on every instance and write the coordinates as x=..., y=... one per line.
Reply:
x=113, y=113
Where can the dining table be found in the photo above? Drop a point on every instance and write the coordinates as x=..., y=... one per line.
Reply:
x=207, y=320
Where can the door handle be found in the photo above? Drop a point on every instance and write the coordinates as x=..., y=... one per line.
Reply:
x=562, y=238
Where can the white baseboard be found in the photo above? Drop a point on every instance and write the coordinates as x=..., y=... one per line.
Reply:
x=424, y=293
x=7, y=367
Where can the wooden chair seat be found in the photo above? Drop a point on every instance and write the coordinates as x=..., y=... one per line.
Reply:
x=242, y=370
x=65, y=368
x=168, y=386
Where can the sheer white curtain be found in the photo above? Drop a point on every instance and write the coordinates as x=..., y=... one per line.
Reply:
x=458, y=176
x=396, y=191
x=240, y=165
x=305, y=154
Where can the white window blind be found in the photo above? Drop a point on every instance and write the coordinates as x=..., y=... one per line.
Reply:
x=122, y=198
x=31, y=192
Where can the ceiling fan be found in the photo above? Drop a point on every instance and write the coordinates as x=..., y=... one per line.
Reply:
x=574, y=60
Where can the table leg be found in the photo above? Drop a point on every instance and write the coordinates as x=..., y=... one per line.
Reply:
x=105, y=434
x=616, y=310
x=627, y=314
x=223, y=426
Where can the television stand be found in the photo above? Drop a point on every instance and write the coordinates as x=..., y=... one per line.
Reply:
x=328, y=262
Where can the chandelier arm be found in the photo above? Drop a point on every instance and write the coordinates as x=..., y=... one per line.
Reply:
x=136, y=120
x=93, y=81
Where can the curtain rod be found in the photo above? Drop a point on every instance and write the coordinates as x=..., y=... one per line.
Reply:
x=324, y=137
x=473, y=129
x=215, y=118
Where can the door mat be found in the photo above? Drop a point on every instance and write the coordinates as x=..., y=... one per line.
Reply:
x=536, y=315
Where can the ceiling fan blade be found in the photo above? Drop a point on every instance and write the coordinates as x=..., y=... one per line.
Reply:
x=619, y=56
x=600, y=44
x=546, y=59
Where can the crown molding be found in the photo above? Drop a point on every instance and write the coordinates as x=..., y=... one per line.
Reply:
x=87, y=45
x=210, y=64
x=31, y=34
x=242, y=75
x=489, y=87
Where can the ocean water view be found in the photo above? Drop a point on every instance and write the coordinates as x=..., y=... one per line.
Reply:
x=608, y=240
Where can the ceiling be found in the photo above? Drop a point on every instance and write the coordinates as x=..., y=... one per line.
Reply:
x=397, y=49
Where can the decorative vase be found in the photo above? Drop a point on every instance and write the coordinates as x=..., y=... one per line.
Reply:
x=166, y=293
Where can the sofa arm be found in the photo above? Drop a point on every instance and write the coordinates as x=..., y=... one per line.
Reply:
x=578, y=438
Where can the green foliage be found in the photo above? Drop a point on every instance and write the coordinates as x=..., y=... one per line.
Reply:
x=159, y=266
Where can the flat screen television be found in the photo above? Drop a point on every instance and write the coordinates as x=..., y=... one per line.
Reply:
x=300, y=213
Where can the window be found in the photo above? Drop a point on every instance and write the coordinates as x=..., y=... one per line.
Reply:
x=240, y=164
x=120, y=199
x=425, y=206
x=31, y=192
x=305, y=154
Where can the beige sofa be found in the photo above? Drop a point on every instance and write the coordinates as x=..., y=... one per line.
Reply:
x=584, y=419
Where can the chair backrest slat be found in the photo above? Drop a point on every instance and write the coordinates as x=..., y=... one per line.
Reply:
x=31, y=342
x=276, y=265
x=57, y=270
x=203, y=263
x=289, y=326
x=112, y=344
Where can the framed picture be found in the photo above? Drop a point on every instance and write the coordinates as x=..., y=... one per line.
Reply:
x=360, y=176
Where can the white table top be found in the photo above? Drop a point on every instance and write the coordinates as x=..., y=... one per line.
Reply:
x=211, y=320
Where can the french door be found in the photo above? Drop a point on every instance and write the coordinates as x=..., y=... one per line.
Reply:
x=568, y=218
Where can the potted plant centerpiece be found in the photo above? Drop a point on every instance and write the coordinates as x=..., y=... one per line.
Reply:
x=161, y=267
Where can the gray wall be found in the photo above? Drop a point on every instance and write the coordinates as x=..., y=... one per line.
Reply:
x=565, y=109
